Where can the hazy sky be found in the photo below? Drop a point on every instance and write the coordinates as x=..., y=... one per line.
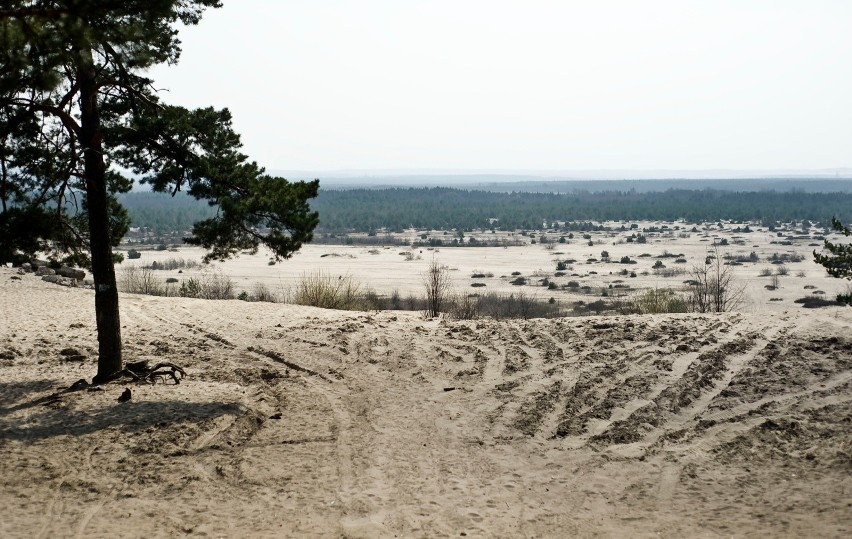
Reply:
x=546, y=85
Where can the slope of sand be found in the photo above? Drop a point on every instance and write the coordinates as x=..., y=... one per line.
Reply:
x=391, y=425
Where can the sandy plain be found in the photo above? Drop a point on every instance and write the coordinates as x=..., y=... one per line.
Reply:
x=384, y=268
x=301, y=422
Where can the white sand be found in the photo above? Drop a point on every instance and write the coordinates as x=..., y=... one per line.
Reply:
x=384, y=269
x=733, y=425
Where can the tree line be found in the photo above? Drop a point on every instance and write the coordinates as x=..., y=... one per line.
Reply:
x=395, y=209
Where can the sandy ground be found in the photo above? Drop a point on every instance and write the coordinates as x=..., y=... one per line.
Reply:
x=296, y=421
x=384, y=269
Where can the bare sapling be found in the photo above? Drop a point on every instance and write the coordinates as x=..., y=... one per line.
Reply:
x=437, y=283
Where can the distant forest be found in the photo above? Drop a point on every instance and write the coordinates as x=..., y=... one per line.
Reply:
x=395, y=209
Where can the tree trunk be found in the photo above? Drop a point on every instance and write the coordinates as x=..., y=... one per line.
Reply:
x=103, y=271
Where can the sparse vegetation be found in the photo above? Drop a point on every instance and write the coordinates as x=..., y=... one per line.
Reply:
x=327, y=291
x=171, y=264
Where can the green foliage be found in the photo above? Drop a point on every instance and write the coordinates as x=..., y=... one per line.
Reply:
x=446, y=208
x=838, y=261
x=77, y=111
x=208, y=285
x=47, y=50
x=133, y=254
x=191, y=288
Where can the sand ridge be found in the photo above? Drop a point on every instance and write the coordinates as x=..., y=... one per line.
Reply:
x=297, y=421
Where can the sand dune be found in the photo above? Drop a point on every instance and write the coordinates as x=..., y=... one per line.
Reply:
x=296, y=421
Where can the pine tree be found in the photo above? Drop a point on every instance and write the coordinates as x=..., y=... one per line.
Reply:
x=76, y=110
x=838, y=262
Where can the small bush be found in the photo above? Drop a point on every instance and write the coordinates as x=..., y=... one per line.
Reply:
x=262, y=293
x=133, y=254
x=137, y=280
x=320, y=289
x=658, y=301
x=811, y=302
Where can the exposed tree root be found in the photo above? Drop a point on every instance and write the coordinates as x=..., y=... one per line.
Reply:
x=139, y=372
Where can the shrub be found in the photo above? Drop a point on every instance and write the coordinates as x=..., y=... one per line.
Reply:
x=713, y=287
x=437, y=283
x=810, y=302
x=320, y=289
x=133, y=254
x=191, y=288
x=465, y=307
x=657, y=301
x=136, y=280
x=262, y=293
x=517, y=305
x=395, y=300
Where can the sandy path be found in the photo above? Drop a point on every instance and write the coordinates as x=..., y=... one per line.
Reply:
x=303, y=422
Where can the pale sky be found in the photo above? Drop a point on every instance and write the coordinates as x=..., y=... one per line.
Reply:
x=526, y=85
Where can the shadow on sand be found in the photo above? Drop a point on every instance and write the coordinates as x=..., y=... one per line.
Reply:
x=49, y=421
